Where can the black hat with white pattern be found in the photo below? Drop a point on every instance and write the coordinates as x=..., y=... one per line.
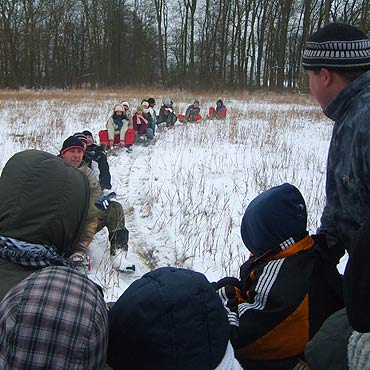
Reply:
x=337, y=46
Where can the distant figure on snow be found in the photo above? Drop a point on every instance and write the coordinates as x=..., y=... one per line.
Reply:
x=167, y=114
x=143, y=133
x=118, y=129
x=192, y=113
x=219, y=112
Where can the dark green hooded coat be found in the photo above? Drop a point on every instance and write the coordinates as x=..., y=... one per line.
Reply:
x=44, y=200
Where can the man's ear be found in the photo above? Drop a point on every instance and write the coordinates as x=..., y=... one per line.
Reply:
x=327, y=77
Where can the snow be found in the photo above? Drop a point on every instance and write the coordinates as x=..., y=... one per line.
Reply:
x=184, y=196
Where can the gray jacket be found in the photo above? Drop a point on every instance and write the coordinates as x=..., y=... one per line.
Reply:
x=348, y=168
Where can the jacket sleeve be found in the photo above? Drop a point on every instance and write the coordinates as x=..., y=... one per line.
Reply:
x=188, y=112
x=356, y=281
x=104, y=174
x=110, y=128
x=277, y=311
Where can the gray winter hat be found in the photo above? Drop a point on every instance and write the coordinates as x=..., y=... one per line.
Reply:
x=337, y=46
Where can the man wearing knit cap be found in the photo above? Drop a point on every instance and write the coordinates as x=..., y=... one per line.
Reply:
x=286, y=289
x=192, y=113
x=110, y=213
x=337, y=61
x=73, y=151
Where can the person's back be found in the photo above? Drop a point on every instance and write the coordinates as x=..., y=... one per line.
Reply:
x=286, y=288
x=54, y=319
x=48, y=212
x=170, y=319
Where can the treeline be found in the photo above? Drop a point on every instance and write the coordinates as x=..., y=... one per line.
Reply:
x=186, y=43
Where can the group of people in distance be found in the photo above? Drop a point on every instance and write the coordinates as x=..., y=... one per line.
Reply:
x=289, y=309
x=124, y=128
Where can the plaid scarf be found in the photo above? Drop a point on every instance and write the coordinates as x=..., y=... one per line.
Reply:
x=31, y=255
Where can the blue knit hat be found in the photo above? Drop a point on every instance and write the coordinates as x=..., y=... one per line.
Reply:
x=171, y=318
x=275, y=219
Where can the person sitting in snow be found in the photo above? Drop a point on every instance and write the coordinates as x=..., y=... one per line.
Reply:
x=142, y=132
x=166, y=113
x=176, y=316
x=152, y=111
x=96, y=160
x=47, y=216
x=110, y=213
x=117, y=131
x=149, y=114
x=219, y=112
x=287, y=288
x=192, y=113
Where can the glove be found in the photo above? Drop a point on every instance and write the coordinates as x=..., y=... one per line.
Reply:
x=122, y=143
x=110, y=143
x=103, y=202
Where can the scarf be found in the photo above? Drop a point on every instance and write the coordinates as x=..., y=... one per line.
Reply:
x=140, y=120
x=219, y=109
x=31, y=255
x=118, y=121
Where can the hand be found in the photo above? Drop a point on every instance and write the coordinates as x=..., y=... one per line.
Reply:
x=103, y=202
x=110, y=143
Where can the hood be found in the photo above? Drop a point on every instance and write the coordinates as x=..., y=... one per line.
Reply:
x=274, y=220
x=37, y=333
x=45, y=200
x=171, y=318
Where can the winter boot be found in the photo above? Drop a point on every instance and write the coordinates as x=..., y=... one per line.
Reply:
x=118, y=240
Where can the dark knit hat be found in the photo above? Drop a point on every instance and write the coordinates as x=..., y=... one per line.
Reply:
x=81, y=136
x=275, y=219
x=54, y=319
x=72, y=142
x=171, y=318
x=87, y=133
x=339, y=47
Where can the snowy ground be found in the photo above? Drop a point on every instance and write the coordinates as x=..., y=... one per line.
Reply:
x=184, y=197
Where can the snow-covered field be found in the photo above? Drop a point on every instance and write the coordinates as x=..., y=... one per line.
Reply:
x=184, y=197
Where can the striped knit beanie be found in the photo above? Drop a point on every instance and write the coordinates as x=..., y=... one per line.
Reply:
x=337, y=46
x=70, y=143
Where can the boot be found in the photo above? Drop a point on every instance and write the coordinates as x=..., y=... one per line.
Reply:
x=118, y=240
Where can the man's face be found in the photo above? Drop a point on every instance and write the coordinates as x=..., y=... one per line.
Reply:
x=196, y=105
x=74, y=157
x=90, y=140
x=318, y=87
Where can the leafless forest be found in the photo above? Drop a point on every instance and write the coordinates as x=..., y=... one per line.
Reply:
x=246, y=44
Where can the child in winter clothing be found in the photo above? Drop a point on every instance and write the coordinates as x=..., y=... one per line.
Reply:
x=140, y=124
x=118, y=130
x=54, y=319
x=175, y=316
x=286, y=289
x=192, y=113
x=219, y=112
x=166, y=113
x=149, y=114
